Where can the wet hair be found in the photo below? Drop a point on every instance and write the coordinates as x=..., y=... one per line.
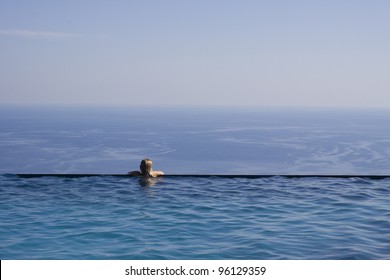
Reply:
x=146, y=168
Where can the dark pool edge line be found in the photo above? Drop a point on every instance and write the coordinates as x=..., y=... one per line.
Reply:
x=372, y=177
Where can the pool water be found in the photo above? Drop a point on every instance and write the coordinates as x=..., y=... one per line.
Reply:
x=107, y=217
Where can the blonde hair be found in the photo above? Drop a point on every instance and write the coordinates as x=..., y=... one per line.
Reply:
x=146, y=168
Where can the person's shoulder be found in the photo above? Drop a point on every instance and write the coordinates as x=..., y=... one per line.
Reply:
x=134, y=173
x=158, y=173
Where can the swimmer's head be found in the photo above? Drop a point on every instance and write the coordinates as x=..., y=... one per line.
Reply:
x=146, y=167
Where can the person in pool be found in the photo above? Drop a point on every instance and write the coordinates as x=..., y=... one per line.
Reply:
x=146, y=170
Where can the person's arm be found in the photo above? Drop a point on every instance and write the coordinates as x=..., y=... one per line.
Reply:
x=134, y=173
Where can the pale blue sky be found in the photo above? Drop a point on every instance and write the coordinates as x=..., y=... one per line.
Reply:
x=215, y=52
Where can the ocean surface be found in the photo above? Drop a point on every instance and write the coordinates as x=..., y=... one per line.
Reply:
x=192, y=217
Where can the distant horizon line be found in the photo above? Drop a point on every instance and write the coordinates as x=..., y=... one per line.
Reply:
x=195, y=106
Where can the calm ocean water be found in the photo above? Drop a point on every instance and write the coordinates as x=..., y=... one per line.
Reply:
x=107, y=217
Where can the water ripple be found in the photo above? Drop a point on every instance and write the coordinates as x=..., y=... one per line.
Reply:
x=194, y=218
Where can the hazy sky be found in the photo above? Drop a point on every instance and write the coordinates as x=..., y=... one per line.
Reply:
x=200, y=52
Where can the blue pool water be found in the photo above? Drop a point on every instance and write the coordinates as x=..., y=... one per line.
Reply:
x=110, y=217
x=194, y=218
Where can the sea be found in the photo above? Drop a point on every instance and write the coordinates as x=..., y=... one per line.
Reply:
x=241, y=183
